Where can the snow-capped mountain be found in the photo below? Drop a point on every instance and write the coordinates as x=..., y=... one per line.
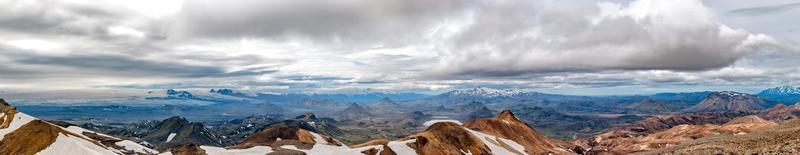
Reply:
x=786, y=94
x=485, y=92
x=23, y=134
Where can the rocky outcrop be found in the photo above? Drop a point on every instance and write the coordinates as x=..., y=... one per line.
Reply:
x=8, y=112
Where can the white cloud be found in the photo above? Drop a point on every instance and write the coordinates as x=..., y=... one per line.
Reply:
x=642, y=35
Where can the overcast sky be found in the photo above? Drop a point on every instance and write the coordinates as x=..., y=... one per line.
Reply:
x=559, y=46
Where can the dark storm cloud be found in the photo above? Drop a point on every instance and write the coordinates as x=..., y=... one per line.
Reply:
x=765, y=9
x=352, y=22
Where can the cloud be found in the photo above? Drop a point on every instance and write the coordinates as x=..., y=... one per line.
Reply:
x=679, y=35
x=415, y=45
x=118, y=65
x=765, y=9
x=357, y=23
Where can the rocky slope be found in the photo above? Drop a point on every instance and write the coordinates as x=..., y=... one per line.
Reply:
x=679, y=135
x=783, y=139
x=781, y=112
x=23, y=134
x=728, y=101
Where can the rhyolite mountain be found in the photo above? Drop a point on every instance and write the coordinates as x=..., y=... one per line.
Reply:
x=729, y=101
x=785, y=94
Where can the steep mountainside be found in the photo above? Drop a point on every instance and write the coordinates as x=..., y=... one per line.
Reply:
x=785, y=94
x=23, y=134
x=728, y=101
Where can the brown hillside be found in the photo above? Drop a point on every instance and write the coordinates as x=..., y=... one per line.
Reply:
x=30, y=138
x=681, y=134
x=507, y=126
x=447, y=138
x=784, y=139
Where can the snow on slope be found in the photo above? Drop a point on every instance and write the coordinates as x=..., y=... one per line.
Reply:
x=431, y=122
x=130, y=145
x=169, y=138
x=73, y=145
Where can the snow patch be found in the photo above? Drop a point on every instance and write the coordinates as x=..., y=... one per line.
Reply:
x=74, y=145
x=431, y=122
x=130, y=145
x=401, y=148
x=257, y=150
x=171, y=135
x=492, y=141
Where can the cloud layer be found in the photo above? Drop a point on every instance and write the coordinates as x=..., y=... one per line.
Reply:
x=392, y=45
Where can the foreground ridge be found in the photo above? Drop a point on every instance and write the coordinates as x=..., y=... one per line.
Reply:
x=23, y=134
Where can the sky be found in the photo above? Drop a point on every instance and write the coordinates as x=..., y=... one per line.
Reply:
x=581, y=47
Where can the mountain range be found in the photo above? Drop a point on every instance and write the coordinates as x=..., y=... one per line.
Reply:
x=230, y=122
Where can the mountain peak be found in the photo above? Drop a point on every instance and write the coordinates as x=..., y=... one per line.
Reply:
x=179, y=94
x=507, y=115
x=307, y=116
x=782, y=90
